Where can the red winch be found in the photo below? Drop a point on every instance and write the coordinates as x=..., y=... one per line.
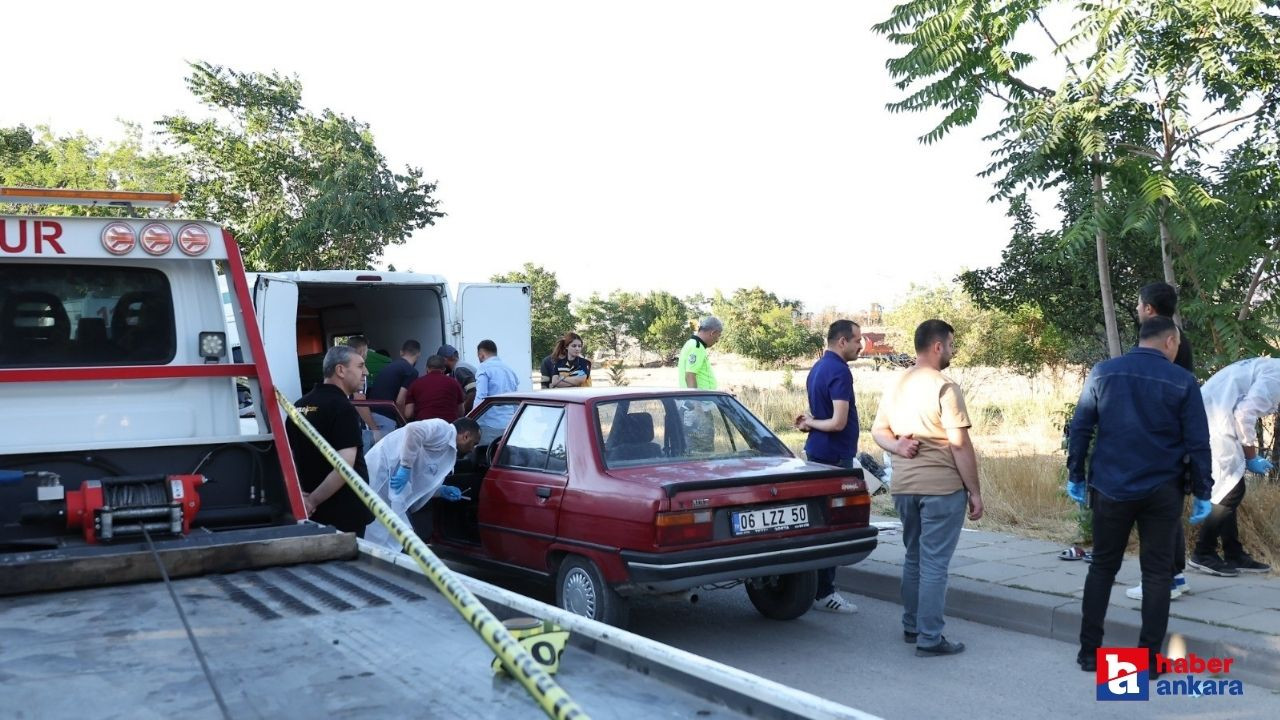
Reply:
x=112, y=508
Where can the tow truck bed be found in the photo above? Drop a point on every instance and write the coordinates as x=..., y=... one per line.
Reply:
x=359, y=639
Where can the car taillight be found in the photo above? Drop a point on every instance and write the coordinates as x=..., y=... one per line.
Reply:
x=849, y=509
x=675, y=528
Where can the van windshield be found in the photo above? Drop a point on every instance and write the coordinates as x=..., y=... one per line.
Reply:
x=650, y=431
x=72, y=315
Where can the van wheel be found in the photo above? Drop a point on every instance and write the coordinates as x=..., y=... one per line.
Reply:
x=783, y=597
x=581, y=590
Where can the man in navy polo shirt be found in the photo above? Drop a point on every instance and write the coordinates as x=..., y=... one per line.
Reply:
x=832, y=424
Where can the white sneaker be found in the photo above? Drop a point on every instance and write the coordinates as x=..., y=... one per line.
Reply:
x=833, y=603
x=1176, y=590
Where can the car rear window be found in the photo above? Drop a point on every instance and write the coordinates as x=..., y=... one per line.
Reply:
x=71, y=315
x=650, y=431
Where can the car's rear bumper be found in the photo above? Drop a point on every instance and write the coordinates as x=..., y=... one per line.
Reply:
x=681, y=570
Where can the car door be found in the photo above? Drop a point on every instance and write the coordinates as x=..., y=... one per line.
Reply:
x=523, y=489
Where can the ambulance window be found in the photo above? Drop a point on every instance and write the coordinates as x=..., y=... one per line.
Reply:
x=60, y=315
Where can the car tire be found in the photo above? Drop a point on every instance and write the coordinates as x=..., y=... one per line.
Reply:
x=581, y=589
x=783, y=597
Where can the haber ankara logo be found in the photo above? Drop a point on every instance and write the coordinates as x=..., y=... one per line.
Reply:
x=1122, y=674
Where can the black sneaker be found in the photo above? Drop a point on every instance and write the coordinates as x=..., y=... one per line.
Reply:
x=946, y=647
x=1212, y=565
x=909, y=637
x=1245, y=563
x=1087, y=662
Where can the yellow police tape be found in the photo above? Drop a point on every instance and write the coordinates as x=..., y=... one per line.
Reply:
x=553, y=700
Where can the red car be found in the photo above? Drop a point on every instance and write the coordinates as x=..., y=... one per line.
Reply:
x=613, y=492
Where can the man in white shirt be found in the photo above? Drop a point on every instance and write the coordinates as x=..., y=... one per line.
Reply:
x=409, y=467
x=494, y=378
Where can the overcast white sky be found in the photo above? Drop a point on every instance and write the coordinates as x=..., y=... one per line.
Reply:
x=683, y=146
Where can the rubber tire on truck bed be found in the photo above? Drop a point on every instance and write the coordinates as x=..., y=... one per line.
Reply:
x=581, y=589
x=783, y=597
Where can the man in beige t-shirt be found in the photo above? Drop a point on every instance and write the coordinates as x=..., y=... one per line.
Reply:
x=922, y=420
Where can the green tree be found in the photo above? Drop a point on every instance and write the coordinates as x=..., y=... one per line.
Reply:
x=1037, y=272
x=1020, y=340
x=549, y=308
x=698, y=304
x=41, y=159
x=661, y=324
x=299, y=189
x=1132, y=76
x=764, y=328
x=605, y=322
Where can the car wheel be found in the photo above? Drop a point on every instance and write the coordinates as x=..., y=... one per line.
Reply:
x=581, y=590
x=783, y=597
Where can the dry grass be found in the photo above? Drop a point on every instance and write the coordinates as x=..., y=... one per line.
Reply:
x=1259, y=519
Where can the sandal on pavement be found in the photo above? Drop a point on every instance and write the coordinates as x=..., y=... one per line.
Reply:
x=1075, y=552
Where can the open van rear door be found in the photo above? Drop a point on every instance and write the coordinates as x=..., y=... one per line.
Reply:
x=497, y=312
x=275, y=302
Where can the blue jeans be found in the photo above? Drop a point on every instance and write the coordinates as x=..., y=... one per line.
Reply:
x=930, y=529
x=385, y=425
x=827, y=576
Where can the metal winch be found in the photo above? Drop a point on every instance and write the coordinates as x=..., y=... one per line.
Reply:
x=112, y=508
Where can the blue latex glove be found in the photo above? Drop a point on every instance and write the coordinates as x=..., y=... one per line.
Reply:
x=1075, y=491
x=449, y=493
x=1259, y=465
x=1199, y=511
x=400, y=479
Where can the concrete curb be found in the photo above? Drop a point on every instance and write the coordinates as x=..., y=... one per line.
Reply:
x=1058, y=617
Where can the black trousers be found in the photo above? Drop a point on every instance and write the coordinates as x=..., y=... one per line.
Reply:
x=1157, y=516
x=1222, y=523
x=1179, y=549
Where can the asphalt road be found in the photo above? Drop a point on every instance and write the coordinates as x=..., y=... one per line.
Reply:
x=861, y=661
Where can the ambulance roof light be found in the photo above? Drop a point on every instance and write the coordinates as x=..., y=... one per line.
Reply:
x=110, y=198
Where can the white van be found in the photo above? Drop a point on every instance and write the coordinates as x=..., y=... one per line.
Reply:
x=302, y=314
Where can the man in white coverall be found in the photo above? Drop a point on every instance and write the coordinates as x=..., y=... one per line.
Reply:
x=408, y=467
x=1234, y=398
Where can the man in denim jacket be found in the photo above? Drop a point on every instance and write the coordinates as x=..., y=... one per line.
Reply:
x=1148, y=416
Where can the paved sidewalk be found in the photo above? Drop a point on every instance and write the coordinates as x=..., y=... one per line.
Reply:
x=1020, y=584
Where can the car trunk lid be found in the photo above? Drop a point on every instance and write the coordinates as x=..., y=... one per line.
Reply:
x=731, y=478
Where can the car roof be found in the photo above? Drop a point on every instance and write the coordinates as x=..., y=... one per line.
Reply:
x=590, y=394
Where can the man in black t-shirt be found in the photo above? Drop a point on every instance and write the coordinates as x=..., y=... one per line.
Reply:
x=325, y=494
x=393, y=384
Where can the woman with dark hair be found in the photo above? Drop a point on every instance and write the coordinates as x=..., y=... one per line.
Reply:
x=565, y=366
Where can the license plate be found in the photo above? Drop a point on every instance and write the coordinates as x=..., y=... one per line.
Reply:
x=775, y=519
